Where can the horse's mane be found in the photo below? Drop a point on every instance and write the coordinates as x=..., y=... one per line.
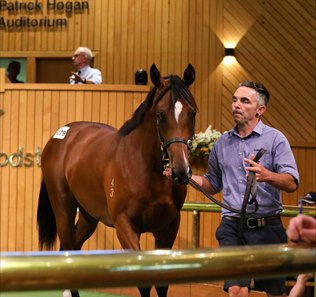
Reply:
x=177, y=88
x=138, y=115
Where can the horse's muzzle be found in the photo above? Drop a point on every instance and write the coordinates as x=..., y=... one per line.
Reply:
x=181, y=177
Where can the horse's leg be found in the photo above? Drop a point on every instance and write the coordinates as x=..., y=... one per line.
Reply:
x=144, y=292
x=126, y=232
x=85, y=227
x=69, y=293
x=129, y=237
x=165, y=240
x=65, y=209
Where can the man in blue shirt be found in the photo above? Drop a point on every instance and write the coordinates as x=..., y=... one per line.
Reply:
x=85, y=73
x=230, y=161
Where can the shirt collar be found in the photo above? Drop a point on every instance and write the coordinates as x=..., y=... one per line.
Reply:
x=84, y=69
x=257, y=130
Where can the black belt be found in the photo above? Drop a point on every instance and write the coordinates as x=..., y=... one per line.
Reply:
x=252, y=223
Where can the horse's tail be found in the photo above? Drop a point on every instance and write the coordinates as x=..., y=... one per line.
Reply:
x=46, y=222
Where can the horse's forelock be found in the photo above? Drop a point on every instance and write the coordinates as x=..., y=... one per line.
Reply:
x=179, y=90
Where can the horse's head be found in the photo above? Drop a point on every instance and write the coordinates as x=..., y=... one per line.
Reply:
x=175, y=110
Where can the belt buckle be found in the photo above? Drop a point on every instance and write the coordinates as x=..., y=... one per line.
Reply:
x=249, y=225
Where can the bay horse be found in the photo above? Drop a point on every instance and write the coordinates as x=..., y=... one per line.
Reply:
x=116, y=176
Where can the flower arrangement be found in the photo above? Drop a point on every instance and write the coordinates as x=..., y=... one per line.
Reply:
x=203, y=142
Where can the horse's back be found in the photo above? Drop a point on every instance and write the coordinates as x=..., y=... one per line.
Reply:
x=70, y=144
x=74, y=132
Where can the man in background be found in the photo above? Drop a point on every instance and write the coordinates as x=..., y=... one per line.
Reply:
x=13, y=72
x=84, y=74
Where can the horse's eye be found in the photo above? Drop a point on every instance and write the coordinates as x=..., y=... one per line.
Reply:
x=159, y=115
x=193, y=114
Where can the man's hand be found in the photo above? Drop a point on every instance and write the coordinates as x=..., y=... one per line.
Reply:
x=262, y=174
x=77, y=78
x=167, y=172
x=282, y=181
x=302, y=227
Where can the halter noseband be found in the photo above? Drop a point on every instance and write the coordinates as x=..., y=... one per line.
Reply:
x=164, y=144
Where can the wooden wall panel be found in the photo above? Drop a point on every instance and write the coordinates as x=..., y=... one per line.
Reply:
x=276, y=47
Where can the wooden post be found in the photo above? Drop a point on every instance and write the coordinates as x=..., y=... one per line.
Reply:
x=196, y=229
x=2, y=79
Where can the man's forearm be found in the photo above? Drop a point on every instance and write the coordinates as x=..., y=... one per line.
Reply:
x=204, y=183
x=283, y=181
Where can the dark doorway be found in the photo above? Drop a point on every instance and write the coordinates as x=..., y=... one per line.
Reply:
x=53, y=70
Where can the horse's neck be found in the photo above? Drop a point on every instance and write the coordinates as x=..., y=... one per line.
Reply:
x=146, y=138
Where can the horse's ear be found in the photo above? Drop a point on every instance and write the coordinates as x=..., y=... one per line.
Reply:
x=155, y=75
x=189, y=75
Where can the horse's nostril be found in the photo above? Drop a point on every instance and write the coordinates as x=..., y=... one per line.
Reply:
x=182, y=177
x=190, y=173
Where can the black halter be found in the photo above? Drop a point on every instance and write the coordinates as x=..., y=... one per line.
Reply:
x=164, y=144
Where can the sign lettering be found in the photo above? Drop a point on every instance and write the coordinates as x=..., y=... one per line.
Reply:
x=39, y=14
x=20, y=159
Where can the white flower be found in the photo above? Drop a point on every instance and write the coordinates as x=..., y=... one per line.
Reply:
x=204, y=141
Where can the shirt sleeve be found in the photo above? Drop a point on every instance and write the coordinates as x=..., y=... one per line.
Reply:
x=284, y=161
x=214, y=173
x=95, y=76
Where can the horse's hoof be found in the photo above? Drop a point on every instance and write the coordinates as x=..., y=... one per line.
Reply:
x=67, y=293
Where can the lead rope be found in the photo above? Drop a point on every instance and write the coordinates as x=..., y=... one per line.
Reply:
x=223, y=205
x=251, y=189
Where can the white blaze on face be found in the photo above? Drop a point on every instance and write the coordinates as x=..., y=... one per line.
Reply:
x=177, y=110
x=187, y=164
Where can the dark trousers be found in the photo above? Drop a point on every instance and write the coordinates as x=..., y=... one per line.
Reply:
x=229, y=233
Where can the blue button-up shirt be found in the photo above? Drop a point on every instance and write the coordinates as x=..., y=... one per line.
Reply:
x=226, y=167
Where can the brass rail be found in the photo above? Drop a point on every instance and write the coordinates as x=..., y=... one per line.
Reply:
x=100, y=269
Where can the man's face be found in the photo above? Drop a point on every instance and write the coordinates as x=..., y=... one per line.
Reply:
x=245, y=105
x=79, y=60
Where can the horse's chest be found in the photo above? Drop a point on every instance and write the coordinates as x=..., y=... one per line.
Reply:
x=157, y=216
